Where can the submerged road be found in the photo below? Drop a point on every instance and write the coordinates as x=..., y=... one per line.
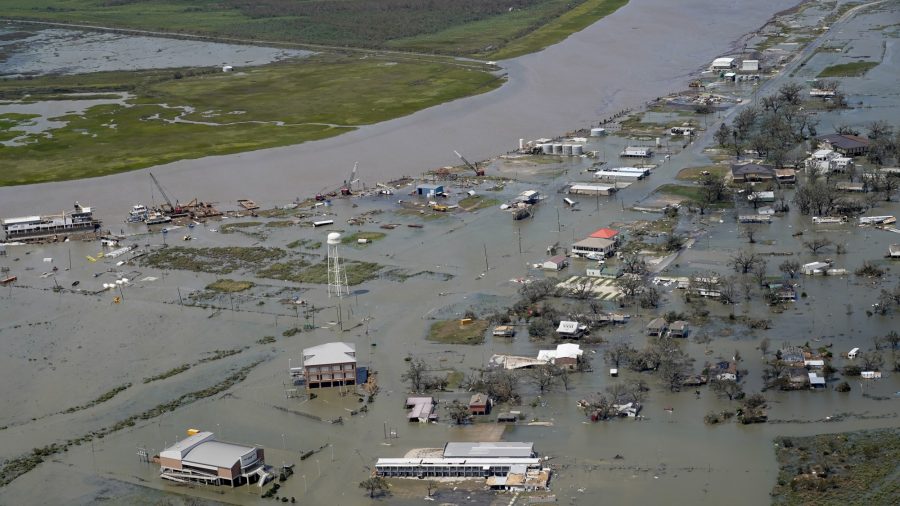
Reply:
x=644, y=50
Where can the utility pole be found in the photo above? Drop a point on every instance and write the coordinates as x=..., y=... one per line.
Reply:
x=558, y=223
x=486, y=267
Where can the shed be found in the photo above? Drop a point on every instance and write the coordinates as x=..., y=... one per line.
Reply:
x=894, y=250
x=722, y=63
x=227, y=68
x=555, y=263
x=507, y=418
x=750, y=66
x=636, y=152
x=657, y=327
x=427, y=189
x=852, y=353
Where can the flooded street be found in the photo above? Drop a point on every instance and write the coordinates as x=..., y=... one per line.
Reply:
x=64, y=349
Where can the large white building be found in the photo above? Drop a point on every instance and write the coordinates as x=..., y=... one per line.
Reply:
x=505, y=465
x=200, y=458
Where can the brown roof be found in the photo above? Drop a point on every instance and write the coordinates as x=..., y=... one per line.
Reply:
x=846, y=141
x=478, y=400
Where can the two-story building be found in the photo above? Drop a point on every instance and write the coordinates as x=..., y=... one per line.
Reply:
x=330, y=365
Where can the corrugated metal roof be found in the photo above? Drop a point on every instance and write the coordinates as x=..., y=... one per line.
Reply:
x=329, y=353
x=489, y=450
x=217, y=453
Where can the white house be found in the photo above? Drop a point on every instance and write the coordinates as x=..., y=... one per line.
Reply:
x=750, y=66
x=572, y=330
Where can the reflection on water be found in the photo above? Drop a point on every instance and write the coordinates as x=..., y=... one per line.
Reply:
x=63, y=51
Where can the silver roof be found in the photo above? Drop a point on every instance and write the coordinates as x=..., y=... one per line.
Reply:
x=329, y=353
x=217, y=453
x=490, y=449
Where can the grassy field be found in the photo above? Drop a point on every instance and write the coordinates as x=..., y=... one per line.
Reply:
x=694, y=173
x=557, y=30
x=446, y=26
x=223, y=260
x=229, y=285
x=476, y=202
x=356, y=236
x=854, y=69
x=859, y=468
x=451, y=332
x=258, y=108
x=689, y=193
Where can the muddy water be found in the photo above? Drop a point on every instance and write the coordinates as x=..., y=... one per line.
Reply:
x=618, y=62
x=150, y=333
x=53, y=345
x=53, y=51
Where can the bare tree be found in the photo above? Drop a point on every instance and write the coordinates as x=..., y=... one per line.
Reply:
x=727, y=289
x=817, y=244
x=629, y=285
x=749, y=232
x=726, y=388
x=618, y=354
x=790, y=267
x=764, y=346
x=416, y=374
x=759, y=272
x=674, y=368
x=871, y=361
x=562, y=374
x=743, y=261
x=632, y=263
x=459, y=412
x=542, y=377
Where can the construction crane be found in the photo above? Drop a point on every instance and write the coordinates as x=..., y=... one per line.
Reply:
x=173, y=208
x=478, y=172
x=347, y=189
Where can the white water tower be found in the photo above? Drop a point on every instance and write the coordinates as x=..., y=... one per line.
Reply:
x=337, y=276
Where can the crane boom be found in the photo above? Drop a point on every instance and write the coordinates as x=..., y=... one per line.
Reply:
x=163, y=192
x=478, y=172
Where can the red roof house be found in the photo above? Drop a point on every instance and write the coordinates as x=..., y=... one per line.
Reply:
x=605, y=233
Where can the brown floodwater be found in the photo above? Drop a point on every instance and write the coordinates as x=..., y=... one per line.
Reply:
x=65, y=349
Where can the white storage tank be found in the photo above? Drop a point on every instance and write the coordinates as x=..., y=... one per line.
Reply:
x=547, y=149
x=557, y=149
x=577, y=150
x=598, y=132
x=567, y=149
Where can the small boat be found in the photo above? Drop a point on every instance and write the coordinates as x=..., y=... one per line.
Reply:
x=156, y=218
x=248, y=204
x=187, y=238
x=137, y=214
